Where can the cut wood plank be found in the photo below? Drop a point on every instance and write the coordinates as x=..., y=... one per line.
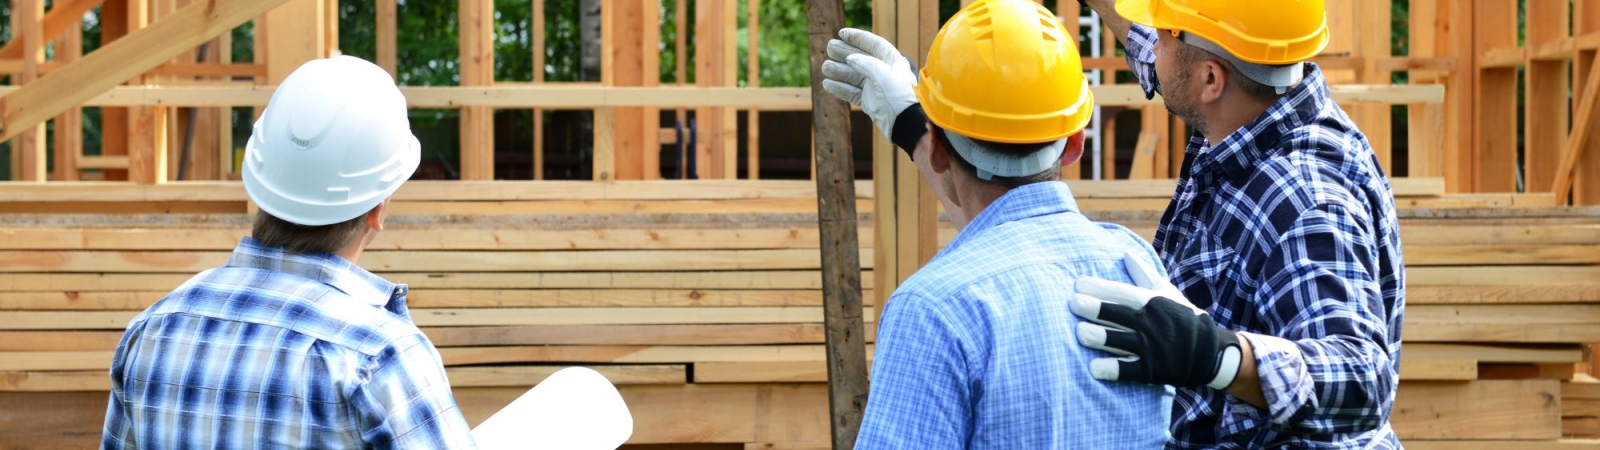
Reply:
x=59, y=340
x=1437, y=370
x=1493, y=353
x=453, y=298
x=1521, y=275
x=74, y=419
x=1503, y=323
x=396, y=238
x=1500, y=294
x=1550, y=371
x=411, y=261
x=433, y=317
x=762, y=372
x=1461, y=255
x=1428, y=235
x=1524, y=409
x=61, y=381
x=722, y=334
x=755, y=279
x=665, y=354
x=611, y=207
x=1564, y=444
x=528, y=376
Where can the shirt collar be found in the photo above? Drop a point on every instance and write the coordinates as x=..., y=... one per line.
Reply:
x=1033, y=200
x=326, y=268
x=1238, y=153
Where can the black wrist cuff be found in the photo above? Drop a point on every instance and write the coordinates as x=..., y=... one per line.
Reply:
x=909, y=127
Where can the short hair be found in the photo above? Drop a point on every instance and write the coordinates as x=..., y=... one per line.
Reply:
x=296, y=238
x=1017, y=150
x=1188, y=54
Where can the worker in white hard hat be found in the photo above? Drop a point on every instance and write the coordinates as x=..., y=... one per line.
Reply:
x=291, y=344
x=966, y=353
x=1280, y=323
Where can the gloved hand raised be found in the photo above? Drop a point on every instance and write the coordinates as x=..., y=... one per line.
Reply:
x=866, y=70
x=1160, y=336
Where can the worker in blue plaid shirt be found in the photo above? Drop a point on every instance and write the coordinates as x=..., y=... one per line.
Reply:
x=1280, y=325
x=291, y=345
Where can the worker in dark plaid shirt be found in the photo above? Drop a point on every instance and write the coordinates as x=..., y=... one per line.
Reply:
x=1282, y=325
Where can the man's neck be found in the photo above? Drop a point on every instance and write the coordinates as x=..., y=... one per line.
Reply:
x=1231, y=116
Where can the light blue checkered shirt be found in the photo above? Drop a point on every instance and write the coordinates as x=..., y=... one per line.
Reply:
x=978, y=349
x=280, y=350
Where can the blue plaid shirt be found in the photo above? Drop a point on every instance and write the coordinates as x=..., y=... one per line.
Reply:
x=1287, y=229
x=280, y=350
x=969, y=351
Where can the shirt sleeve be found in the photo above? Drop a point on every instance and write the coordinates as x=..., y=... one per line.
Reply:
x=1141, y=54
x=920, y=397
x=406, y=403
x=1327, y=368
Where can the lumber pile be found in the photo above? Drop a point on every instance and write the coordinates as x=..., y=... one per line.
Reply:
x=705, y=297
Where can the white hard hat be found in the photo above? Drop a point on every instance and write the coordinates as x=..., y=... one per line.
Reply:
x=333, y=143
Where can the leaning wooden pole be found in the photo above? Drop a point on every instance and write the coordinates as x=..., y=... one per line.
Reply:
x=836, y=215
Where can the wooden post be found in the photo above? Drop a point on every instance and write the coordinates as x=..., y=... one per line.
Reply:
x=1067, y=14
x=1495, y=127
x=885, y=257
x=715, y=65
x=477, y=69
x=296, y=29
x=31, y=162
x=650, y=76
x=681, y=46
x=753, y=76
x=69, y=125
x=538, y=78
x=225, y=114
x=629, y=35
x=1108, y=123
x=1456, y=34
x=1546, y=97
x=836, y=215
x=1586, y=188
x=1583, y=131
x=1373, y=42
x=1425, y=123
x=113, y=120
x=388, y=17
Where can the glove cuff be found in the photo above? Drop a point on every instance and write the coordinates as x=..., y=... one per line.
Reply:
x=909, y=126
x=1229, y=358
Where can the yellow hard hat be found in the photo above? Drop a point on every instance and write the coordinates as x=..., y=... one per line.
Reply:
x=1005, y=71
x=1271, y=32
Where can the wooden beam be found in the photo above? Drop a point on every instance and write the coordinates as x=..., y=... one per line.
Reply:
x=30, y=160
x=1545, y=107
x=1373, y=42
x=1586, y=22
x=753, y=79
x=1438, y=370
x=1425, y=123
x=123, y=59
x=386, y=38
x=885, y=156
x=477, y=69
x=841, y=261
x=63, y=15
x=1582, y=133
x=1495, y=130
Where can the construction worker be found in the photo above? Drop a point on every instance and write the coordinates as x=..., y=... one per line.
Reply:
x=291, y=345
x=1281, y=323
x=1283, y=227
x=967, y=352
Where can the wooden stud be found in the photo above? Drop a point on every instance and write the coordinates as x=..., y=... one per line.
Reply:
x=884, y=175
x=69, y=125
x=1546, y=97
x=1586, y=186
x=1425, y=123
x=385, y=38
x=330, y=20
x=681, y=57
x=711, y=64
x=296, y=29
x=605, y=147
x=476, y=19
x=1455, y=32
x=753, y=80
x=650, y=76
x=30, y=162
x=62, y=17
x=225, y=114
x=538, y=78
x=1582, y=134
x=1373, y=35
x=147, y=152
x=1495, y=126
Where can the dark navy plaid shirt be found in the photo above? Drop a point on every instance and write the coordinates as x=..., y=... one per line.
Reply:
x=1287, y=229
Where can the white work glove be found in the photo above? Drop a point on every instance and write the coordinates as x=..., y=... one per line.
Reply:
x=866, y=70
x=1160, y=336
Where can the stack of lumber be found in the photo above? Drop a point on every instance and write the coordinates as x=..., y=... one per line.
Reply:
x=701, y=300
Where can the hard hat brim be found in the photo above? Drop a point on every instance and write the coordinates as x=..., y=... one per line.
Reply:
x=1137, y=11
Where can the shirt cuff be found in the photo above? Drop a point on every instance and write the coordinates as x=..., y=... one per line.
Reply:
x=1285, y=381
x=1141, y=55
x=909, y=127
